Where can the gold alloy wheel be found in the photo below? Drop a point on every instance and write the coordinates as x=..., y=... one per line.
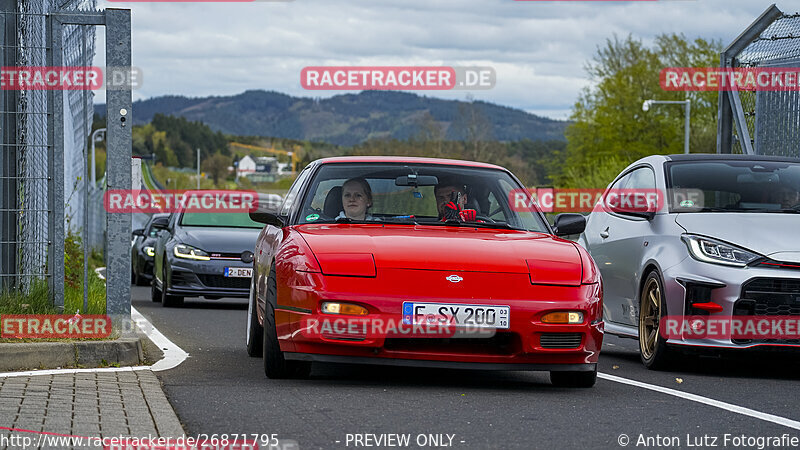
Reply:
x=649, y=317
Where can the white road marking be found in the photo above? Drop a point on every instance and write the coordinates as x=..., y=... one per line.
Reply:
x=705, y=400
x=29, y=373
x=173, y=355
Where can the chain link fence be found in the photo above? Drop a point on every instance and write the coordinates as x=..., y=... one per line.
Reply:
x=763, y=122
x=27, y=140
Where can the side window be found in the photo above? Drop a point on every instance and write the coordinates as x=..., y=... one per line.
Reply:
x=495, y=209
x=620, y=184
x=294, y=191
x=642, y=178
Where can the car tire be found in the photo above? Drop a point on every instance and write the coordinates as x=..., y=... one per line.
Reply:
x=255, y=332
x=653, y=348
x=574, y=379
x=155, y=292
x=275, y=365
x=168, y=301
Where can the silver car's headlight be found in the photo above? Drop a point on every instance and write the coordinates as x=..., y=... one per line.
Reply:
x=150, y=251
x=717, y=252
x=187, y=252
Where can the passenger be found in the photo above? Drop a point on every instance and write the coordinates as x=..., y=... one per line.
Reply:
x=451, y=198
x=356, y=200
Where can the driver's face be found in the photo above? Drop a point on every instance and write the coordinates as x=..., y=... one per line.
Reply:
x=443, y=196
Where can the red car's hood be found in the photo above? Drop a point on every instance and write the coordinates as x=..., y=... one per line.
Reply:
x=446, y=248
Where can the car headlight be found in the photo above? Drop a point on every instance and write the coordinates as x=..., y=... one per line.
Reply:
x=150, y=251
x=187, y=252
x=718, y=252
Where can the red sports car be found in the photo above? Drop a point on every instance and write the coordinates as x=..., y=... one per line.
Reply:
x=421, y=262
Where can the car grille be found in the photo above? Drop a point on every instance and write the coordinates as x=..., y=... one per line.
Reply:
x=769, y=297
x=560, y=340
x=219, y=281
x=499, y=344
x=231, y=256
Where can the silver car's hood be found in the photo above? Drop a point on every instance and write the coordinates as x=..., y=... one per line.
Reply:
x=770, y=234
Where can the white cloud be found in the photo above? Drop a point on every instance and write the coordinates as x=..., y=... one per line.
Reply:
x=538, y=49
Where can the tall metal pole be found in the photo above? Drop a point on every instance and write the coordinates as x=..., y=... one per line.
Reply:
x=198, y=169
x=686, y=127
x=119, y=122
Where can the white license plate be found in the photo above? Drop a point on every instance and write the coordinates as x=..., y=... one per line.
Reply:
x=238, y=272
x=480, y=316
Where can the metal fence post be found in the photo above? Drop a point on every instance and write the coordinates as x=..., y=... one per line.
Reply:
x=55, y=160
x=118, y=145
x=725, y=116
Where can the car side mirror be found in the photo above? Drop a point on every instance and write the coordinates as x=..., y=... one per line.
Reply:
x=267, y=218
x=138, y=232
x=161, y=223
x=568, y=224
x=270, y=203
x=647, y=212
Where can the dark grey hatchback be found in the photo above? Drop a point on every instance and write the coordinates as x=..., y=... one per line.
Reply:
x=204, y=254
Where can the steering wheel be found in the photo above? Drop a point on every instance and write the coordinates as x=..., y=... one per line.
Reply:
x=485, y=219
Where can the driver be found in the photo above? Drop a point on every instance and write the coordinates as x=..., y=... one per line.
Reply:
x=451, y=198
x=356, y=200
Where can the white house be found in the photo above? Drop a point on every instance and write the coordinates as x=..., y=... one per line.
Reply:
x=247, y=165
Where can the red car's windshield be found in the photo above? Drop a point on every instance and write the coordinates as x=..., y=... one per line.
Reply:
x=414, y=193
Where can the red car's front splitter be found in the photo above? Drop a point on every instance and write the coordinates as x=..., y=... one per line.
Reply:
x=503, y=351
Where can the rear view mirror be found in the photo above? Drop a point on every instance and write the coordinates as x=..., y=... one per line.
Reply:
x=416, y=180
x=568, y=224
x=138, y=232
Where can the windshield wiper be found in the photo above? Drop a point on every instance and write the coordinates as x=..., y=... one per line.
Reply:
x=458, y=223
x=406, y=220
x=782, y=210
x=713, y=209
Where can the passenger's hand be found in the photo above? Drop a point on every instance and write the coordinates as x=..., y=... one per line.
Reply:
x=451, y=211
x=468, y=215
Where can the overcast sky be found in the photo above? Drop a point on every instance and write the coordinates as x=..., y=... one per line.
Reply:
x=538, y=48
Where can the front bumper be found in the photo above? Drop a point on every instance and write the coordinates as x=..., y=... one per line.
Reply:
x=206, y=278
x=732, y=289
x=528, y=344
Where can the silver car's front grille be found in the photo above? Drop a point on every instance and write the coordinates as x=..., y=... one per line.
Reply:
x=769, y=297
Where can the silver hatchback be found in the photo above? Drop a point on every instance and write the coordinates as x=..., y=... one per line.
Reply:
x=719, y=254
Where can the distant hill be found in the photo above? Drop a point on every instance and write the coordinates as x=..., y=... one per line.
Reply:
x=344, y=119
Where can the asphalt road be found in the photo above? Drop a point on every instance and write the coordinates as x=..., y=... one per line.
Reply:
x=219, y=389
